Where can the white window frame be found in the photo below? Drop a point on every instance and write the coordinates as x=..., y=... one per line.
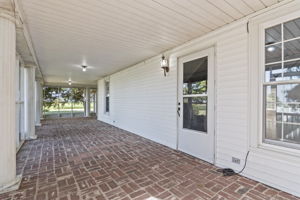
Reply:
x=263, y=27
x=257, y=26
x=106, y=80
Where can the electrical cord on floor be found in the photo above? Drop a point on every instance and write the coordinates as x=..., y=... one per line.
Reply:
x=231, y=172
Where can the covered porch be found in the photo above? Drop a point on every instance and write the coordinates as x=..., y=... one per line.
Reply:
x=149, y=99
x=87, y=159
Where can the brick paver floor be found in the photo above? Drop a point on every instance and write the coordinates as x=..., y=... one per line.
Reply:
x=87, y=159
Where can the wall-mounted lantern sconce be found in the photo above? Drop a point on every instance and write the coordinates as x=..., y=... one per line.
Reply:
x=70, y=81
x=84, y=68
x=164, y=65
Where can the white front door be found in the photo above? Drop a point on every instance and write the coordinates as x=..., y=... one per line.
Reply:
x=196, y=105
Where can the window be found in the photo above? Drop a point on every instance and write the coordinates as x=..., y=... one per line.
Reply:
x=106, y=96
x=282, y=84
x=195, y=94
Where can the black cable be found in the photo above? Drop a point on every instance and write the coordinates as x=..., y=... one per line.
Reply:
x=231, y=172
x=245, y=163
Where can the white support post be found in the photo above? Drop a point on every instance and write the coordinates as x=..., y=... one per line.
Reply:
x=17, y=79
x=87, y=102
x=38, y=91
x=96, y=102
x=41, y=102
x=8, y=179
x=29, y=98
x=22, y=109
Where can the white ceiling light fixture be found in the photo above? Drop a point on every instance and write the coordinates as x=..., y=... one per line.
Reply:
x=84, y=68
x=271, y=48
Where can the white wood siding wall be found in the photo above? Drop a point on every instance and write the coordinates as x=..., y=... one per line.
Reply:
x=143, y=101
x=231, y=103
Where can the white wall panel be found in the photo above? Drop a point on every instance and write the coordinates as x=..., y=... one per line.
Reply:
x=143, y=101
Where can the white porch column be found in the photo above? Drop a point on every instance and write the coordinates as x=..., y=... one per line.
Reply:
x=22, y=109
x=38, y=91
x=96, y=102
x=29, y=102
x=42, y=100
x=87, y=102
x=8, y=179
x=18, y=102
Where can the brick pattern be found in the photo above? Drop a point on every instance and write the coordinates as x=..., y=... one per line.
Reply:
x=87, y=159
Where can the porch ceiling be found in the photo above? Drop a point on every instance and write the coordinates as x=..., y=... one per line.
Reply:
x=109, y=35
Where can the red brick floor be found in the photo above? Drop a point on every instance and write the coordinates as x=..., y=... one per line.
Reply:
x=87, y=159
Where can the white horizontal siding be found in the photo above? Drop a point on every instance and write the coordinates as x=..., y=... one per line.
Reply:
x=143, y=101
x=274, y=171
x=232, y=97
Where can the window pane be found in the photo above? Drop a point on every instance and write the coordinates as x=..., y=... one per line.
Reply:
x=292, y=49
x=273, y=35
x=273, y=72
x=291, y=70
x=273, y=53
x=107, y=88
x=282, y=104
x=291, y=130
x=106, y=96
x=292, y=29
x=195, y=113
x=195, y=76
x=273, y=122
x=106, y=104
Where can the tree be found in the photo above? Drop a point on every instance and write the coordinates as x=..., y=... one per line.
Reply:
x=55, y=96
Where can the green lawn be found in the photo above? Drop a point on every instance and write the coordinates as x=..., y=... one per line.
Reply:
x=66, y=108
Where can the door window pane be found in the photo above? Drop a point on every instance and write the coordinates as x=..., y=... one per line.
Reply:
x=195, y=76
x=195, y=113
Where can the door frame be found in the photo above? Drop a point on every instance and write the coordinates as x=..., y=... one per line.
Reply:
x=212, y=52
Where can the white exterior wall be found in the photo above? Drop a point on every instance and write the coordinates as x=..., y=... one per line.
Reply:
x=143, y=101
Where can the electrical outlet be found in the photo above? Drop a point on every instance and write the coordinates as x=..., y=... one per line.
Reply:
x=236, y=160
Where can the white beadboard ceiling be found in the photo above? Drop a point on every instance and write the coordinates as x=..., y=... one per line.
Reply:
x=109, y=35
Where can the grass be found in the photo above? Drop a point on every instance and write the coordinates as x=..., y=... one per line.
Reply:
x=66, y=108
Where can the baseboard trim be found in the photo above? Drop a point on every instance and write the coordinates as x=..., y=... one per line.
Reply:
x=34, y=137
x=14, y=185
x=20, y=146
